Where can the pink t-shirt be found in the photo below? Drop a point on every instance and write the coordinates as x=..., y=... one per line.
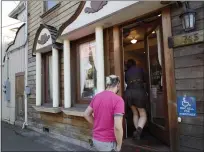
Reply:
x=105, y=105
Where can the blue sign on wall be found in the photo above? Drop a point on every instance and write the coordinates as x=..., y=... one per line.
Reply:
x=186, y=106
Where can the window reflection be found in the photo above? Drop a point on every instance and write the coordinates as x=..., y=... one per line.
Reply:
x=156, y=83
x=87, y=70
x=50, y=92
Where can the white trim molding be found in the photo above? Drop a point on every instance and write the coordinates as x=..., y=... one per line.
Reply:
x=55, y=77
x=100, y=59
x=38, y=79
x=67, y=74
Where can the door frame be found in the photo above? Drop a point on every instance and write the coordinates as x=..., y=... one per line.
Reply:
x=170, y=79
x=169, y=73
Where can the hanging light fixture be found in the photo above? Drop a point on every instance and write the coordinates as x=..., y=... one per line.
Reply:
x=188, y=18
x=133, y=41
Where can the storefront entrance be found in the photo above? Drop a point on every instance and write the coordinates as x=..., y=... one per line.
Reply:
x=142, y=41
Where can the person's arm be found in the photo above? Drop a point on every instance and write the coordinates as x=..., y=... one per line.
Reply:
x=88, y=115
x=118, y=123
x=118, y=130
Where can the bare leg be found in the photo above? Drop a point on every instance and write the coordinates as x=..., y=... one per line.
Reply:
x=141, y=123
x=143, y=117
x=135, y=116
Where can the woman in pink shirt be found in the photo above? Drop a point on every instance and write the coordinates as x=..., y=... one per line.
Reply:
x=108, y=110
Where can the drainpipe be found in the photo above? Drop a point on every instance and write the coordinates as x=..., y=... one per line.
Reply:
x=26, y=69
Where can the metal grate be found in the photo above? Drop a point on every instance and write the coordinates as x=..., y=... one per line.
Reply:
x=46, y=129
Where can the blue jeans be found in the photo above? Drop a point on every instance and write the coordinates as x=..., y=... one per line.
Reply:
x=104, y=146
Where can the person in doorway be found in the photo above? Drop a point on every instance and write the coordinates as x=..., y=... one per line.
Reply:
x=135, y=96
x=108, y=110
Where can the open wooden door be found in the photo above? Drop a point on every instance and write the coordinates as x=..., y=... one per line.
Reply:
x=158, y=110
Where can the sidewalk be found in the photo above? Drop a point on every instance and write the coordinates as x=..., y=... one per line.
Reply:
x=16, y=139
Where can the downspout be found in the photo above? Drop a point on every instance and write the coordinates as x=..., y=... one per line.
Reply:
x=26, y=69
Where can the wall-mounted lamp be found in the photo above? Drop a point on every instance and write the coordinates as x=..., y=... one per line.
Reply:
x=188, y=18
x=133, y=41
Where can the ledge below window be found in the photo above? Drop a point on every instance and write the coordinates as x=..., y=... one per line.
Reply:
x=74, y=111
x=47, y=109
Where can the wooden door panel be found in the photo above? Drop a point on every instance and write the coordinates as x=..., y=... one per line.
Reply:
x=19, y=97
x=19, y=84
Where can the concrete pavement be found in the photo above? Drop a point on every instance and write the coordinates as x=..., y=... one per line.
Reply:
x=16, y=139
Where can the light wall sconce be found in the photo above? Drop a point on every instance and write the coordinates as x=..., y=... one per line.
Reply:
x=188, y=18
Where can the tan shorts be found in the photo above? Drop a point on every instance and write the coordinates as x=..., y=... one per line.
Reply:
x=104, y=146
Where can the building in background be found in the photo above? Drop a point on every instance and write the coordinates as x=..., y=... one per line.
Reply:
x=13, y=68
x=73, y=45
x=9, y=25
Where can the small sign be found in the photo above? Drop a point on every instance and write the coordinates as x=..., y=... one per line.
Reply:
x=186, y=106
x=186, y=39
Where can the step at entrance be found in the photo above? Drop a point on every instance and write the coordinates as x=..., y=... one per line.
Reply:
x=147, y=143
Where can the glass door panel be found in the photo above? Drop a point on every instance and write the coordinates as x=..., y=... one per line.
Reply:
x=155, y=60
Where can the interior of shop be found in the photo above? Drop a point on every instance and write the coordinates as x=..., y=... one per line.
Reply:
x=142, y=42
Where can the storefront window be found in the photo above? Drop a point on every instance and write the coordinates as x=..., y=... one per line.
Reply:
x=50, y=95
x=87, y=70
x=47, y=78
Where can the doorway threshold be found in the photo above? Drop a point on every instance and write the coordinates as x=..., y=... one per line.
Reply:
x=146, y=143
